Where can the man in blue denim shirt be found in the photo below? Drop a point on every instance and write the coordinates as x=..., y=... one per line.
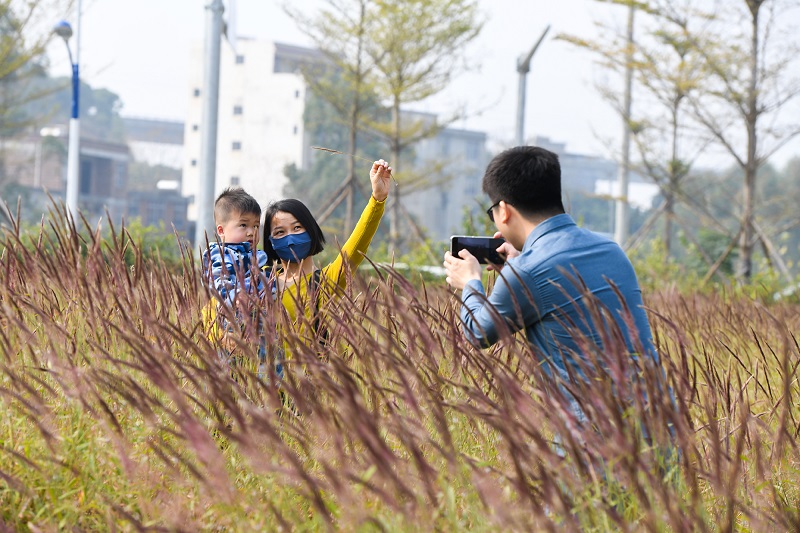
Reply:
x=546, y=253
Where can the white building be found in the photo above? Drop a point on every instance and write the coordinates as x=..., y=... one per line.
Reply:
x=260, y=131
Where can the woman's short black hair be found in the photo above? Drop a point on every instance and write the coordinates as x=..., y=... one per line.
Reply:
x=299, y=211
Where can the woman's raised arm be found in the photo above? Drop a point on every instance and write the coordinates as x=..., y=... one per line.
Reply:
x=380, y=176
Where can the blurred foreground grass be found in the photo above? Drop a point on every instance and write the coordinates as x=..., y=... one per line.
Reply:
x=120, y=415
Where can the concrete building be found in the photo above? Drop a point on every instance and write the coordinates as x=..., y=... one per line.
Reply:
x=36, y=167
x=261, y=103
x=103, y=182
x=260, y=131
x=596, y=175
x=155, y=141
x=36, y=160
x=165, y=207
x=158, y=143
x=463, y=156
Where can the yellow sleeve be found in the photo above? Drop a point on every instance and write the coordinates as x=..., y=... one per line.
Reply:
x=358, y=243
x=210, y=324
x=352, y=251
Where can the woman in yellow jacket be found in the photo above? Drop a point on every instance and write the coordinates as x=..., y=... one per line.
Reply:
x=292, y=238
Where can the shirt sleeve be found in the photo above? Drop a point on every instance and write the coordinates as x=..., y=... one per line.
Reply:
x=230, y=274
x=513, y=304
x=220, y=266
x=356, y=246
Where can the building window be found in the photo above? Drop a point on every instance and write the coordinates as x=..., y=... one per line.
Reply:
x=445, y=146
x=194, y=162
x=85, y=182
x=239, y=59
x=196, y=92
x=236, y=145
x=284, y=64
x=195, y=127
x=234, y=181
x=153, y=216
x=295, y=130
x=120, y=177
x=473, y=150
x=297, y=94
x=237, y=110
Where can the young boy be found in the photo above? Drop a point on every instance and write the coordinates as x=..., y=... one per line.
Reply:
x=234, y=267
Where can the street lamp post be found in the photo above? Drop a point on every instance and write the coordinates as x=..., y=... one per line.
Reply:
x=622, y=218
x=208, y=141
x=523, y=67
x=64, y=30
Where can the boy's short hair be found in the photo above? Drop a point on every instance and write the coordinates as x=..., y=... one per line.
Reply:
x=297, y=209
x=527, y=177
x=234, y=200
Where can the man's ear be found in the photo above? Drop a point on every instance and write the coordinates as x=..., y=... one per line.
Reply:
x=503, y=212
x=220, y=230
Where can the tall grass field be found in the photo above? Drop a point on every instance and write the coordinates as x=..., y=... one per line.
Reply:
x=119, y=414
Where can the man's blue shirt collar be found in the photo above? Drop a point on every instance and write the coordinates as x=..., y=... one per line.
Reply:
x=551, y=224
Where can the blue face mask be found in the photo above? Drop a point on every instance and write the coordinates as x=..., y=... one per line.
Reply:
x=293, y=247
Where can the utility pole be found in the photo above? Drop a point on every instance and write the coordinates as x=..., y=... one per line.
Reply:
x=208, y=126
x=621, y=221
x=65, y=31
x=523, y=67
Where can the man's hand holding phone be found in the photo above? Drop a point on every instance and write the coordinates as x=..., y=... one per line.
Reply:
x=463, y=262
x=461, y=269
x=505, y=250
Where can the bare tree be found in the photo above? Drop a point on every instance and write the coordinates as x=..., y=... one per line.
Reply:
x=25, y=31
x=339, y=31
x=417, y=48
x=710, y=71
x=24, y=34
x=669, y=72
x=748, y=51
x=666, y=71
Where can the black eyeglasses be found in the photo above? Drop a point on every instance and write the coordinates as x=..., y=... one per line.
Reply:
x=490, y=211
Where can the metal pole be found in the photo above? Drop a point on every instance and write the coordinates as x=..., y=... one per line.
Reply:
x=208, y=143
x=37, y=164
x=521, y=106
x=523, y=67
x=74, y=147
x=622, y=210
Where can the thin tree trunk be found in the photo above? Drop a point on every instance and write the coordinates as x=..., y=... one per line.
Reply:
x=773, y=254
x=744, y=270
x=348, y=206
x=669, y=215
x=675, y=172
x=394, y=221
x=355, y=113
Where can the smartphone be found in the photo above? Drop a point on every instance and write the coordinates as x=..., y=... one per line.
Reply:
x=483, y=248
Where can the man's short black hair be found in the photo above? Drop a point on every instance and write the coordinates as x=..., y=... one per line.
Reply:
x=527, y=177
x=297, y=209
x=234, y=201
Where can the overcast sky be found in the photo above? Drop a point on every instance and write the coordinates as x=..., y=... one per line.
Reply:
x=140, y=49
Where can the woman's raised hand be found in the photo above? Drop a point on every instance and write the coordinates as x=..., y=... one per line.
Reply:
x=381, y=176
